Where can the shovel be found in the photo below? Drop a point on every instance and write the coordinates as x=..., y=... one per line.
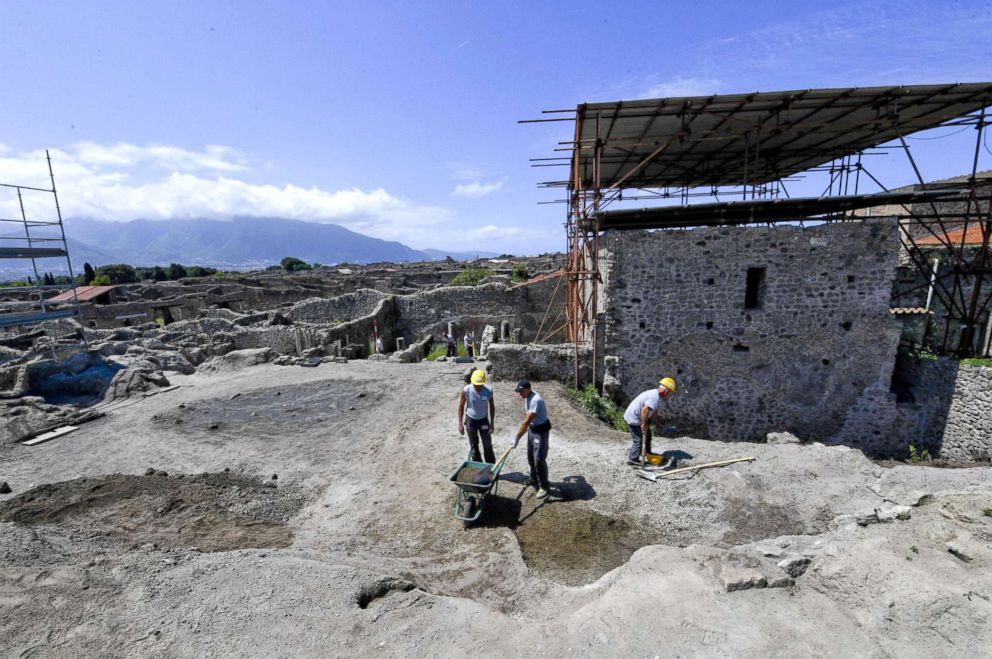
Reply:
x=485, y=475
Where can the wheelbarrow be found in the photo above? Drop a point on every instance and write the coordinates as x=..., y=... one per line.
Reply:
x=471, y=497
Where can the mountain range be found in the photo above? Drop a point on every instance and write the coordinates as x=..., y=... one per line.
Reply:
x=244, y=242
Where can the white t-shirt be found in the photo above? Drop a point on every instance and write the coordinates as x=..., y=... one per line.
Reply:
x=651, y=398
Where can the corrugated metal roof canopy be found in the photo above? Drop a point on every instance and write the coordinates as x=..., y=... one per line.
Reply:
x=755, y=210
x=706, y=140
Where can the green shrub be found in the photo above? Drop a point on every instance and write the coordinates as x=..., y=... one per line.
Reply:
x=519, y=274
x=470, y=277
x=599, y=406
x=977, y=361
x=917, y=456
x=100, y=280
x=441, y=350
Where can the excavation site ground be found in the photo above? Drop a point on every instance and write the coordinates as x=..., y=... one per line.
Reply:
x=256, y=509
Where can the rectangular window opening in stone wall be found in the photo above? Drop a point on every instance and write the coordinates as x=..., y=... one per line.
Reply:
x=755, y=293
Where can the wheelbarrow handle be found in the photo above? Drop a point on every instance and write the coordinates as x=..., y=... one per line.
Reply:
x=502, y=458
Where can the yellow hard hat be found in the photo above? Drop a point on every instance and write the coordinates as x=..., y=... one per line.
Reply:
x=478, y=377
x=668, y=383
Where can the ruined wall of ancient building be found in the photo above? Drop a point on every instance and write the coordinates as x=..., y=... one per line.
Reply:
x=813, y=355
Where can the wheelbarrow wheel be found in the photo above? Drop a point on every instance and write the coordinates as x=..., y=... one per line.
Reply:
x=468, y=510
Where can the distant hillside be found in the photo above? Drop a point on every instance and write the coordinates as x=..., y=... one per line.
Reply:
x=239, y=243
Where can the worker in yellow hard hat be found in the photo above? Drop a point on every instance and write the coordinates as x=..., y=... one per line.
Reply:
x=638, y=417
x=477, y=413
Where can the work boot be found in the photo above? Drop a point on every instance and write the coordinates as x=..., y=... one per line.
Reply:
x=635, y=463
x=542, y=493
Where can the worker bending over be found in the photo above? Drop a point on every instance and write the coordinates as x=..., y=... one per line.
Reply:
x=638, y=417
x=477, y=411
x=538, y=429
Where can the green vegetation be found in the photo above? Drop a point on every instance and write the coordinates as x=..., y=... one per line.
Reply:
x=293, y=264
x=599, y=406
x=903, y=516
x=987, y=512
x=116, y=273
x=101, y=280
x=15, y=284
x=917, y=456
x=977, y=361
x=519, y=274
x=470, y=277
x=441, y=350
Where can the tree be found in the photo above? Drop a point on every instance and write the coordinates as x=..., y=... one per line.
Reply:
x=199, y=271
x=293, y=264
x=117, y=273
x=101, y=280
x=88, y=274
x=159, y=273
x=177, y=271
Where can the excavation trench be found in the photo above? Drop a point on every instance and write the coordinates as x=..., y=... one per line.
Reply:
x=214, y=512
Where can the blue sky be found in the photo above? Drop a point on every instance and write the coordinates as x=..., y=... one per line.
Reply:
x=398, y=119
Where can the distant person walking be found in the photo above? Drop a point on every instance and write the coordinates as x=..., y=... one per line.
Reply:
x=380, y=347
x=538, y=429
x=638, y=417
x=449, y=342
x=469, y=341
x=477, y=413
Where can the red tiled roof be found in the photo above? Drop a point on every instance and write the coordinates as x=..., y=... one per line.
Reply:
x=84, y=293
x=973, y=237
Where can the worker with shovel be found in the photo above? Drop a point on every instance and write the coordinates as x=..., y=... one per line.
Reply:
x=538, y=429
x=477, y=413
x=638, y=417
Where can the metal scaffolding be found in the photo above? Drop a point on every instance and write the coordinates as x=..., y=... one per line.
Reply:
x=743, y=150
x=42, y=238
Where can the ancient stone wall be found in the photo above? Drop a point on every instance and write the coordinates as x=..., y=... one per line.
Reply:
x=509, y=361
x=337, y=309
x=474, y=307
x=766, y=329
x=946, y=407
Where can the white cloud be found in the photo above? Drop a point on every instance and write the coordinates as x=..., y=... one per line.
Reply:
x=122, y=182
x=477, y=189
x=681, y=86
x=491, y=231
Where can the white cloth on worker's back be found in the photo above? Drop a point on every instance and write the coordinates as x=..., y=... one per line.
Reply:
x=651, y=398
x=477, y=402
x=536, y=404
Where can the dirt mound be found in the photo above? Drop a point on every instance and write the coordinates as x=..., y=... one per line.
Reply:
x=575, y=545
x=215, y=512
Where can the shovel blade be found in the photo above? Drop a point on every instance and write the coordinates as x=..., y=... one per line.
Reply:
x=646, y=474
x=483, y=476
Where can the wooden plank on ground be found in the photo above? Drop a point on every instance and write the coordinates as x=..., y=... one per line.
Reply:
x=154, y=392
x=58, y=432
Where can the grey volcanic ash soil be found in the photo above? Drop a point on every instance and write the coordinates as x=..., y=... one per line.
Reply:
x=213, y=512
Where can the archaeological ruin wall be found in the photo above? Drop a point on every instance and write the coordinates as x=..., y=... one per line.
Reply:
x=766, y=329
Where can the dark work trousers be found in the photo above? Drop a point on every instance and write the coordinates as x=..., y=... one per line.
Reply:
x=470, y=351
x=477, y=428
x=635, y=446
x=451, y=350
x=537, y=456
